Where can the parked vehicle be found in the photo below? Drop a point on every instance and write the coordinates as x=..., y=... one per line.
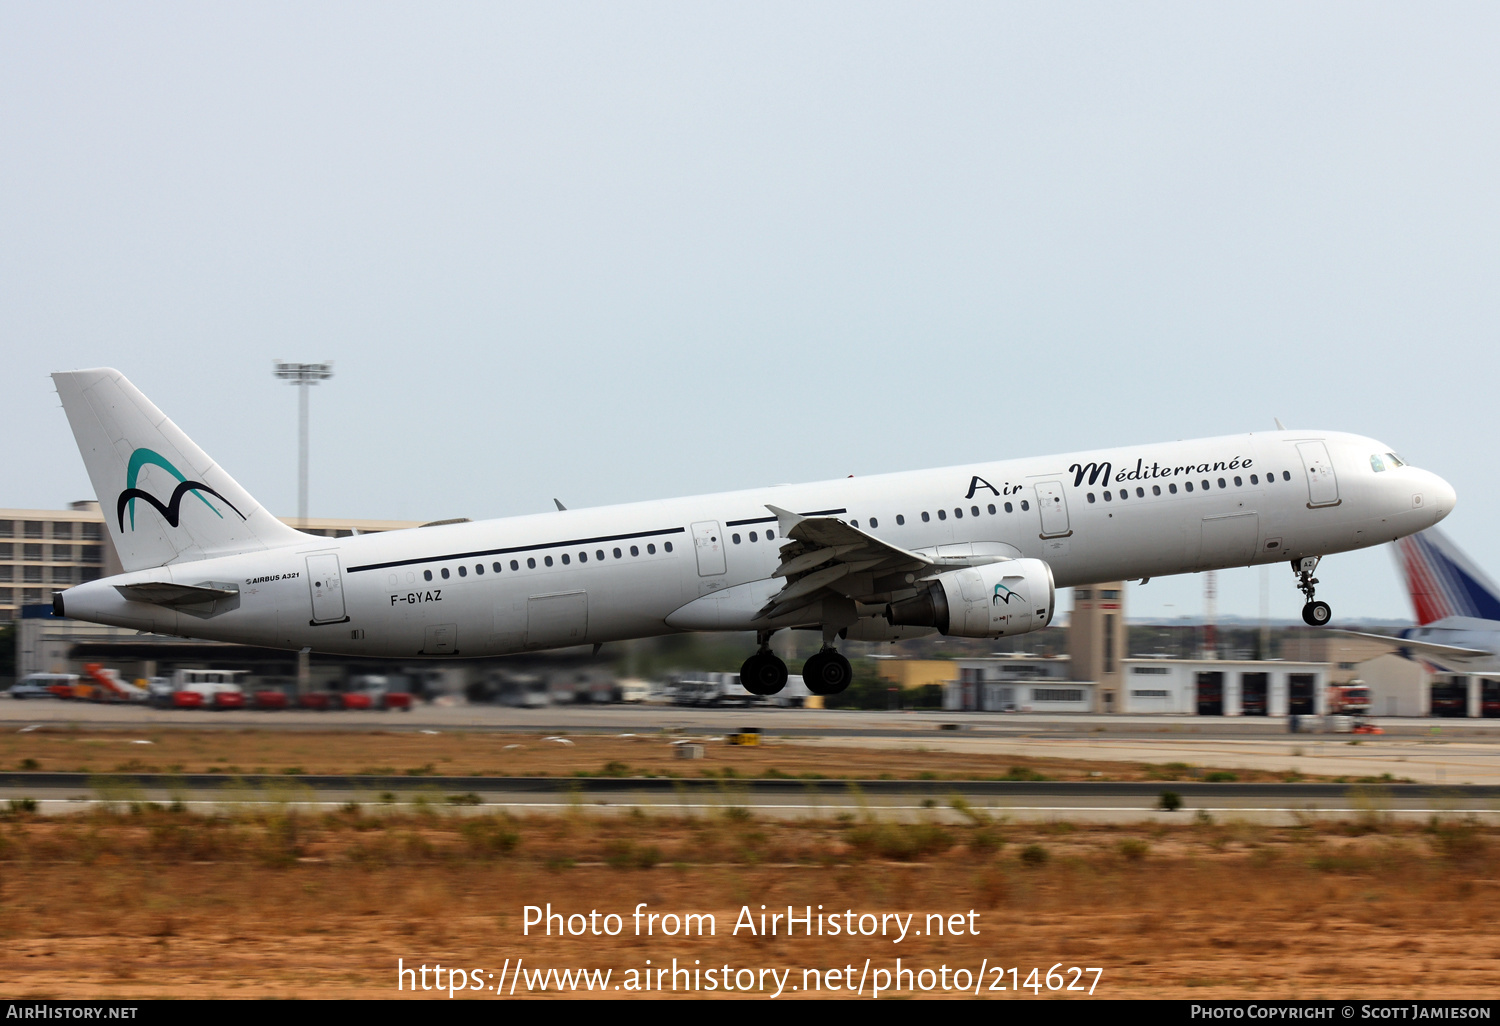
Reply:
x=41, y=685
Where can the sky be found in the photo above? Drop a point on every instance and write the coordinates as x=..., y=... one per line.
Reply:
x=612, y=252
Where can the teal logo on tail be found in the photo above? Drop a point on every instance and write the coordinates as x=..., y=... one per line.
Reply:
x=172, y=511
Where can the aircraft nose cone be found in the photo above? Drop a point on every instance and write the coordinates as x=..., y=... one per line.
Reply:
x=1443, y=495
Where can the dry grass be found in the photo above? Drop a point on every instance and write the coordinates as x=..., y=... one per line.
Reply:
x=505, y=754
x=152, y=902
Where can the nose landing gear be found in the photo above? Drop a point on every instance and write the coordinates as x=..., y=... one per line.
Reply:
x=1314, y=614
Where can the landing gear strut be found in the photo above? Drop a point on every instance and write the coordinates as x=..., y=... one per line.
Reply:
x=1314, y=614
x=763, y=673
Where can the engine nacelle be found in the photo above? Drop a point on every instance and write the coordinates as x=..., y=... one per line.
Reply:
x=991, y=601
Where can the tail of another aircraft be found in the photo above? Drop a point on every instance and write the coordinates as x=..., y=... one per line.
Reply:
x=164, y=500
x=1442, y=581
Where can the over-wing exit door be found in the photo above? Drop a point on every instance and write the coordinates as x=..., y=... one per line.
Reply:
x=1054, y=509
x=708, y=540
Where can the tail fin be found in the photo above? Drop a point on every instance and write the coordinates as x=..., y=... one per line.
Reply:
x=163, y=499
x=1442, y=581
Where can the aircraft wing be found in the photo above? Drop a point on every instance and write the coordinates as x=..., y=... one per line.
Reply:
x=823, y=554
x=1423, y=647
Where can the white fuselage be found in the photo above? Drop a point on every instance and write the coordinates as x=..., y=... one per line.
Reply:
x=618, y=572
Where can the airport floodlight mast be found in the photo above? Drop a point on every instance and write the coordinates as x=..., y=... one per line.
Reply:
x=303, y=375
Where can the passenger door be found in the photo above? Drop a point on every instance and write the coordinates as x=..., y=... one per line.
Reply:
x=1322, y=485
x=327, y=587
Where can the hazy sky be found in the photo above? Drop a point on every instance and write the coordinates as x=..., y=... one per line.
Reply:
x=611, y=252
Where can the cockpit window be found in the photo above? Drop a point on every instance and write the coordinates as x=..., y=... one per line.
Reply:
x=1376, y=464
x=1396, y=461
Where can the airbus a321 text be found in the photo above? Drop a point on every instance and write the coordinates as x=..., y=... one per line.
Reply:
x=973, y=551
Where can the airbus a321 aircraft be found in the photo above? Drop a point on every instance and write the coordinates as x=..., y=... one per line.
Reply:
x=974, y=551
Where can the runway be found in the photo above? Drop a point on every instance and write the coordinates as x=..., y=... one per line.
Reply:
x=950, y=801
x=1426, y=751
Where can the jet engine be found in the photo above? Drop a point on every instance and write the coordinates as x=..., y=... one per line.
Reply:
x=991, y=601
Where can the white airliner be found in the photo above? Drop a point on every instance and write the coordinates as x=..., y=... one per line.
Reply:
x=1457, y=607
x=973, y=551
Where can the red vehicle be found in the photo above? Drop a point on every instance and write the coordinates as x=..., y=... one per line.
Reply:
x=187, y=700
x=270, y=700
x=317, y=700
x=229, y=700
x=356, y=700
x=398, y=700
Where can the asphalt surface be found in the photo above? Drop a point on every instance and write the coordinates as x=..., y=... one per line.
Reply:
x=899, y=799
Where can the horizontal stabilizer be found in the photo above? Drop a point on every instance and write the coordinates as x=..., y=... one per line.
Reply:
x=173, y=595
x=1425, y=647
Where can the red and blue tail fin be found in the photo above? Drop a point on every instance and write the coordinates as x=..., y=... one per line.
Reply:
x=1442, y=581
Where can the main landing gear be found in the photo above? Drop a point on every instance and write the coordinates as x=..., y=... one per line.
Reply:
x=1314, y=614
x=763, y=673
x=826, y=673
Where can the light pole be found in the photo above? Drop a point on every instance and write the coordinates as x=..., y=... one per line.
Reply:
x=303, y=375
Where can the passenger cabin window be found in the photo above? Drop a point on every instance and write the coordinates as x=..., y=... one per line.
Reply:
x=874, y=523
x=547, y=560
x=636, y=552
x=1009, y=508
x=770, y=535
x=444, y=572
x=531, y=562
x=942, y=514
x=1091, y=497
x=650, y=548
x=1238, y=482
x=1221, y=483
x=1188, y=485
x=667, y=546
x=496, y=566
x=463, y=571
x=1025, y=505
x=991, y=508
x=516, y=566
x=925, y=517
x=900, y=520
x=1286, y=475
x=617, y=553
x=1255, y=479
x=752, y=538
x=565, y=560
x=426, y=575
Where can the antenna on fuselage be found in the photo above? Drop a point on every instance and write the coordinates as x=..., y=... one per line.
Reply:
x=560, y=506
x=1279, y=425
